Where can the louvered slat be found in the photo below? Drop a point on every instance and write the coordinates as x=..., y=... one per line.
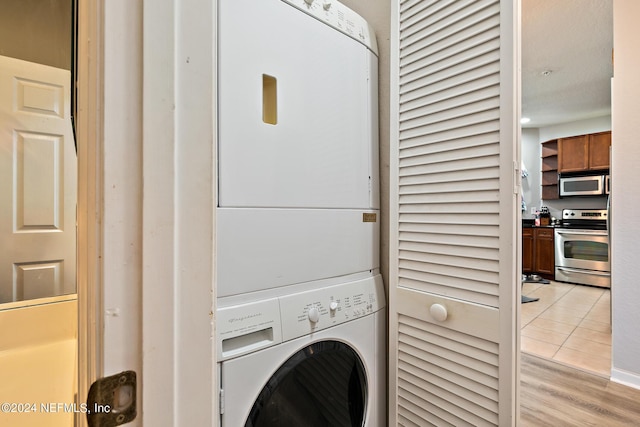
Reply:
x=459, y=375
x=471, y=53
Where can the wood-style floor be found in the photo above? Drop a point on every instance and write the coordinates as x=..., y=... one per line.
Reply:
x=553, y=394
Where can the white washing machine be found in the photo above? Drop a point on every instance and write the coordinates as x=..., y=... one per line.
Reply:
x=298, y=144
x=316, y=358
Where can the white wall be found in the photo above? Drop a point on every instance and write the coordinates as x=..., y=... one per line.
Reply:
x=625, y=287
x=37, y=31
x=38, y=361
x=581, y=127
x=531, y=160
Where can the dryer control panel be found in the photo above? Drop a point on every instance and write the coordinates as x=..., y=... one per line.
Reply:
x=339, y=16
x=307, y=312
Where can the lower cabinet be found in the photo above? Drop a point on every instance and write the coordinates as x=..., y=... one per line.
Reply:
x=538, y=251
x=527, y=250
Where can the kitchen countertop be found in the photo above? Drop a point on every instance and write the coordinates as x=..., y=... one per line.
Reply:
x=530, y=223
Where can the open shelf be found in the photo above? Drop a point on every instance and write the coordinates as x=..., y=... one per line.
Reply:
x=550, y=148
x=550, y=164
x=549, y=192
x=549, y=177
x=549, y=156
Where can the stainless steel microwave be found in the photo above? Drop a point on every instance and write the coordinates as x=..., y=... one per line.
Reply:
x=592, y=185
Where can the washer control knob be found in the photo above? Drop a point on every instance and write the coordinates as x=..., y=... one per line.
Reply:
x=308, y=2
x=326, y=5
x=439, y=312
x=333, y=306
x=314, y=315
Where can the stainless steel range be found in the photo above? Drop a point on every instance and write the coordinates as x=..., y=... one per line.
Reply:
x=582, y=248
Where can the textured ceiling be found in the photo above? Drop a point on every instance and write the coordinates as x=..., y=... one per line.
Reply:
x=573, y=39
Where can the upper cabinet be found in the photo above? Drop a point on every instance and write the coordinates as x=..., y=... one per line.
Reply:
x=572, y=154
x=599, y=144
x=584, y=152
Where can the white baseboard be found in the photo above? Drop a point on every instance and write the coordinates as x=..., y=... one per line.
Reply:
x=630, y=379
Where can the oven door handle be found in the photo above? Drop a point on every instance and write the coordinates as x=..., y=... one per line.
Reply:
x=584, y=233
x=573, y=270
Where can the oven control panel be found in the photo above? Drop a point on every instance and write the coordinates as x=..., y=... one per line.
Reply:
x=589, y=219
x=584, y=214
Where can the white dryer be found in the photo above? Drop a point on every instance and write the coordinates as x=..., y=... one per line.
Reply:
x=315, y=358
x=297, y=144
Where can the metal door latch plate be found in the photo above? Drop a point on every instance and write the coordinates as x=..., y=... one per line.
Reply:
x=112, y=400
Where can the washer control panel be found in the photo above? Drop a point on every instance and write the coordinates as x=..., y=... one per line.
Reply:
x=307, y=312
x=249, y=327
x=246, y=328
x=339, y=16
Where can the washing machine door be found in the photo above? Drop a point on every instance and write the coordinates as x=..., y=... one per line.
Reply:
x=324, y=384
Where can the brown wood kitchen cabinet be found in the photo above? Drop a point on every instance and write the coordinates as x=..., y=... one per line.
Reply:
x=584, y=152
x=599, y=144
x=527, y=250
x=538, y=254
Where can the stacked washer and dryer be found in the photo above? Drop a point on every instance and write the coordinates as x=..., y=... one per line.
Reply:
x=300, y=319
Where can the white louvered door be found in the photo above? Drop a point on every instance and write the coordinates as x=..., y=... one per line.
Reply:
x=454, y=276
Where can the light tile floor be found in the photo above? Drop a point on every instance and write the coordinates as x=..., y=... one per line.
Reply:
x=570, y=324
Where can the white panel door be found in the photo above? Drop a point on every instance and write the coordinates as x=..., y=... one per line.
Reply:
x=454, y=272
x=38, y=182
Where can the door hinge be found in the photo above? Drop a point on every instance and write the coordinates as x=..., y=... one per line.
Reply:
x=221, y=401
x=517, y=178
x=112, y=400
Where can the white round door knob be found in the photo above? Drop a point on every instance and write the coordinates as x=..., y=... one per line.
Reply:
x=314, y=315
x=438, y=312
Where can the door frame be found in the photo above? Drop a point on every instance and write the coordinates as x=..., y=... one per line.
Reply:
x=162, y=66
x=88, y=137
x=511, y=232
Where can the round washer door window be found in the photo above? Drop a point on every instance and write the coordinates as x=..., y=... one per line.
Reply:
x=324, y=384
